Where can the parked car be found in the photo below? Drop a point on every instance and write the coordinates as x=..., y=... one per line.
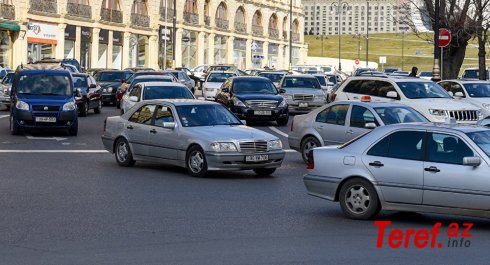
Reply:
x=43, y=98
x=333, y=81
x=440, y=168
x=88, y=95
x=109, y=81
x=139, y=69
x=425, y=96
x=374, y=73
x=66, y=61
x=199, y=72
x=190, y=74
x=360, y=70
x=183, y=78
x=426, y=75
x=476, y=93
x=323, y=82
x=155, y=90
x=213, y=82
x=389, y=71
x=274, y=76
x=4, y=72
x=198, y=135
x=94, y=71
x=254, y=98
x=400, y=73
x=5, y=89
x=302, y=93
x=474, y=74
x=143, y=79
x=340, y=122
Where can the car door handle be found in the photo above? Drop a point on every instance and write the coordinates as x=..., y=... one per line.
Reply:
x=432, y=169
x=376, y=164
x=153, y=131
x=130, y=127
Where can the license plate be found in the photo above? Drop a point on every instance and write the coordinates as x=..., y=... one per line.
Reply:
x=209, y=89
x=45, y=119
x=263, y=112
x=256, y=158
x=303, y=105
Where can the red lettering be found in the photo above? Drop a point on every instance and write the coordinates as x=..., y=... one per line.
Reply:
x=381, y=231
x=434, y=232
x=407, y=238
x=453, y=230
x=467, y=226
x=395, y=238
x=421, y=238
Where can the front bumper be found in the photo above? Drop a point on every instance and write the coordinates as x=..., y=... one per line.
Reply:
x=245, y=113
x=108, y=97
x=236, y=161
x=5, y=100
x=64, y=119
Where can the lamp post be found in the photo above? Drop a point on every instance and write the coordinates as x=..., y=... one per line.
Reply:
x=367, y=34
x=340, y=6
x=436, y=71
x=174, y=34
x=290, y=36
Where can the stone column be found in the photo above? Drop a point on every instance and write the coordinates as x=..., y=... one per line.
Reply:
x=201, y=48
x=211, y=48
x=280, y=58
x=248, y=54
x=265, y=53
x=229, y=50
x=152, y=52
x=109, y=49
x=60, y=42
x=94, y=54
x=178, y=47
x=78, y=43
x=19, y=48
x=125, y=50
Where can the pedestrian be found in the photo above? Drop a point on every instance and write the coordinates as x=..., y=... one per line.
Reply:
x=414, y=72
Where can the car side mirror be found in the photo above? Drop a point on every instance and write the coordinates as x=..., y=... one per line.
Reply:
x=459, y=94
x=92, y=86
x=169, y=125
x=392, y=94
x=473, y=161
x=133, y=98
x=282, y=90
x=370, y=125
x=225, y=90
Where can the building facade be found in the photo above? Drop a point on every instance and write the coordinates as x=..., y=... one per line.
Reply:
x=323, y=17
x=138, y=33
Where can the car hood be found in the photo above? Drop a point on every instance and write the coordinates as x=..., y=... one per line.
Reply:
x=45, y=100
x=245, y=97
x=299, y=90
x=478, y=101
x=110, y=84
x=438, y=103
x=229, y=133
x=214, y=85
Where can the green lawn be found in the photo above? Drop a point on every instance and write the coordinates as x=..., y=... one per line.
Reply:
x=418, y=52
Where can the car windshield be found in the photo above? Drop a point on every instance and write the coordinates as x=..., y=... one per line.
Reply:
x=332, y=79
x=79, y=81
x=254, y=86
x=473, y=74
x=219, y=77
x=166, y=92
x=133, y=76
x=482, y=139
x=138, y=81
x=322, y=80
x=301, y=82
x=393, y=115
x=206, y=115
x=110, y=76
x=8, y=79
x=274, y=77
x=45, y=84
x=417, y=90
x=478, y=90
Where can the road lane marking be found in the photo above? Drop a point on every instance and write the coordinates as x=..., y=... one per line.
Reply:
x=81, y=151
x=4, y=116
x=45, y=138
x=274, y=129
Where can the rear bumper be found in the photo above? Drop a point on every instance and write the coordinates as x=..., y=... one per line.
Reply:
x=321, y=186
x=236, y=161
x=294, y=143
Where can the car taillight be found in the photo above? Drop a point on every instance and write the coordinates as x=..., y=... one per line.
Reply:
x=311, y=161
x=333, y=96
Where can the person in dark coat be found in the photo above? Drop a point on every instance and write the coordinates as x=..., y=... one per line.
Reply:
x=414, y=72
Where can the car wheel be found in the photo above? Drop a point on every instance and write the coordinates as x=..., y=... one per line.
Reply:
x=282, y=121
x=98, y=108
x=307, y=145
x=359, y=200
x=196, y=162
x=124, y=156
x=14, y=128
x=264, y=172
x=84, y=109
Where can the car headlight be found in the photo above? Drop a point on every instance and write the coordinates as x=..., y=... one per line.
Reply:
x=69, y=106
x=109, y=89
x=437, y=112
x=319, y=98
x=238, y=103
x=21, y=105
x=224, y=147
x=486, y=106
x=275, y=145
x=288, y=97
x=283, y=104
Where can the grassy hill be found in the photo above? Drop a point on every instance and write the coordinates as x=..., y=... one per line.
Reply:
x=418, y=52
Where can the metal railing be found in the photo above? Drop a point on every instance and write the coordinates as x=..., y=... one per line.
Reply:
x=191, y=18
x=79, y=10
x=140, y=20
x=222, y=23
x=46, y=6
x=273, y=33
x=257, y=30
x=7, y=11
x=111, y=15
x=170, y=13
x=207, y=20
x=284, y=34
x=295, y=37
x=240, y=27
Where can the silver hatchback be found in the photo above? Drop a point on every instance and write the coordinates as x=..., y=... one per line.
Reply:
x=303, y=93
x=440, y=168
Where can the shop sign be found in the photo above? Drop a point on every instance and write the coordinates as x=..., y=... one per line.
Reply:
x=70, y=32
x=41, y=32
x=104, y=36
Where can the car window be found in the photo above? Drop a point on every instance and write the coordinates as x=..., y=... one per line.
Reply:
x=393, y=115
x=449, y=149
x=322, y=80
x=163, y=114
x=167, y=92
x=478, y=90
x=474, y=74
x=360, y=116
x=143, y=115
x=416, y=90
x=301, y=82
x=334, y=115
x=452, y=87
x=219, y=77
x=79, y=81
x=353, y=86
x=135, y=91
x=401, y=145
x=482, y=139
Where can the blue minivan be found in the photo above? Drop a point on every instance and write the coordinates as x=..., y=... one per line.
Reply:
x=43, y=98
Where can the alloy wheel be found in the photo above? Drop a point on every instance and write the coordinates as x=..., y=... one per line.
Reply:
x=357, y=199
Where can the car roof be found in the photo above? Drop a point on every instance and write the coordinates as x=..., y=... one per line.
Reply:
x=222, y=72
x=115, y=71
x=249, y=77
x=302, y=76
x=162, y=84
x=272, y=72
x=454, y=127
x=373, y=104
x=153, y=76
x=465, y=81
x=393, y=78
x=181, y=102
x=80, y=74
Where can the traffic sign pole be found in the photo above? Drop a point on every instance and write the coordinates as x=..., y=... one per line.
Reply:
x=442, y=63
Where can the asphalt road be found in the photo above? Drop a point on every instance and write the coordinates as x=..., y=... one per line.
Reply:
x=65, y=201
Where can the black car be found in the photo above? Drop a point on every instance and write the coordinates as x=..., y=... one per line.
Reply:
x=109, y=81
x=254, y=98
x=88, y=94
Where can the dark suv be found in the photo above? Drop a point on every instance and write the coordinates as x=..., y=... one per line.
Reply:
x=43, y=98
x=110, y=81
x=254, y=98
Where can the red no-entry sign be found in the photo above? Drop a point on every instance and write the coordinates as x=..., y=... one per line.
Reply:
x=444, y=37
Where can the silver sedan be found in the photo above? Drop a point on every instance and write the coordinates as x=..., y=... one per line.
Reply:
x=440, y=168
x=200, y=136
x=339, y=122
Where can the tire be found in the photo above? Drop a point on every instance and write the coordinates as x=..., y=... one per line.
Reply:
x=73, y=131
x=359, y=200
x=14, y=128
x=282, y=121
x=264, y=172
x=123, y=154
x=196, y=162
x=84, y=109
x=307, y=145
x=99, y=107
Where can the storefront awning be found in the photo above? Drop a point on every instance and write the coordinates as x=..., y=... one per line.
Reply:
x=9, y=26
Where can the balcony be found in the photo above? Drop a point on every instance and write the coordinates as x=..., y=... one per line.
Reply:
x=7, y=12
x=273, y=33
x=78, y=10
x=284, y=35
x=295, y=37
x=170, y=14
x=257, y=30
x=140, y=20
x=111, y=15
x=240, y=27
x=207, y=20
x=191, y=18
x=45, y=6
x=222, y=23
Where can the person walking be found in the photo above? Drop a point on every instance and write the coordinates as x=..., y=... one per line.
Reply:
x=414, y=72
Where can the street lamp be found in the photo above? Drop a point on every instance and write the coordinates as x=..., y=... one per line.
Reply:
x=290, y=36
x=436, y=71
x=322, y=37
x=339, y=9
x=174, y=34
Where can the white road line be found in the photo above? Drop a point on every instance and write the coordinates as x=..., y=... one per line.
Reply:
x=274, y=129
x=4, y=116
x=290, y=151
x=55, y=151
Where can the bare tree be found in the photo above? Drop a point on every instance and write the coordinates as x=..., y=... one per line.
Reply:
x=482, y=20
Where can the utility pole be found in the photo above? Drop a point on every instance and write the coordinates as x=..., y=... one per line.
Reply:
x=367, y=34
x=290, y=35
x=358, y=45
x=174, y=34
x=436, y=71
x=403, y=48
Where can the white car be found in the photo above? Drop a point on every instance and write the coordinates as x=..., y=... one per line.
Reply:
x=213, y=82
x=476, y=93
x=426, y=75
x=425, y=96
x=156, y=90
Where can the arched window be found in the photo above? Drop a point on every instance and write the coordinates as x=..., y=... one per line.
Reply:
x=257, y=19
x=240, y=25
x=111, y=4
x=273, y=22
x=190, y=6
x=140, y=7
x=111, y=11
x=206, y=8
x=295, y=26
x=221, y=11
x=168, y=3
